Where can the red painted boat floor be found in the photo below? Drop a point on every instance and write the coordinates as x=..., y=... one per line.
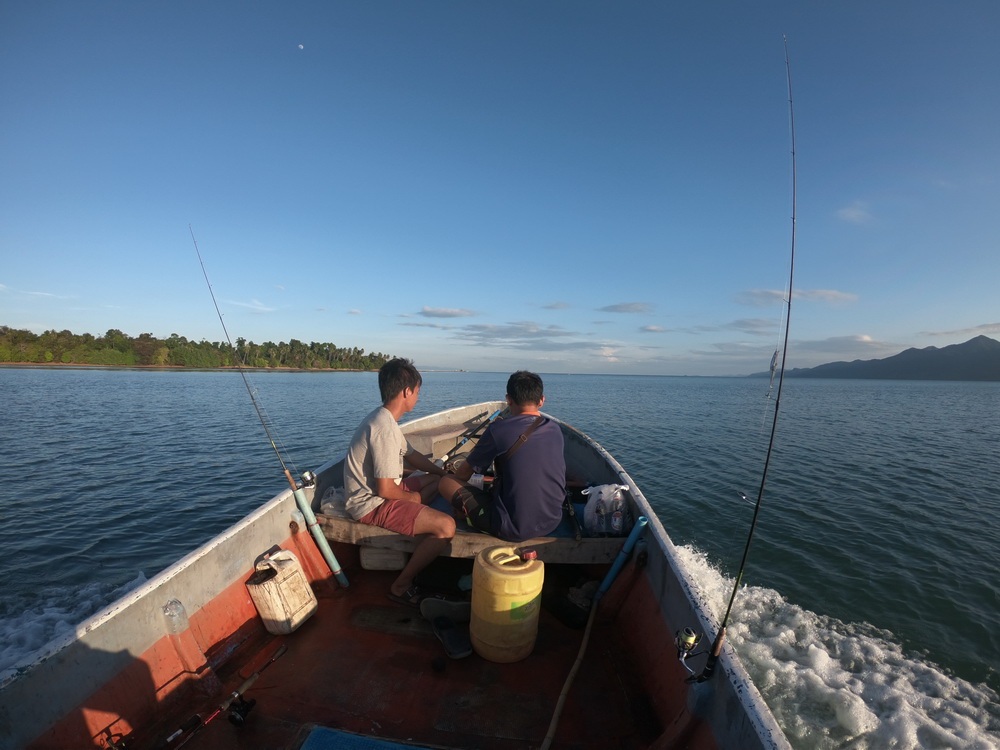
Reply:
x=366, y=665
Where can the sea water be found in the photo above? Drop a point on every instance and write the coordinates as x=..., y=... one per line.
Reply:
x=866, y=615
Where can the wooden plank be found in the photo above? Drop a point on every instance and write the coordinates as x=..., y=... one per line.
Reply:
x=550, y=549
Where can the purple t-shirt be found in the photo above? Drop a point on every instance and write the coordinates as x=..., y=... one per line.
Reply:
x=534, y=478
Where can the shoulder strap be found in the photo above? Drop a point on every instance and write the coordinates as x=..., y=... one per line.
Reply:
x=521, y=440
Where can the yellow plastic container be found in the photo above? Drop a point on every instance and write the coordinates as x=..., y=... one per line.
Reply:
x=506, y=598
x=281, y=593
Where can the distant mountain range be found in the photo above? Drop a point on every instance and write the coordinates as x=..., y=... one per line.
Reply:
x=976, y=359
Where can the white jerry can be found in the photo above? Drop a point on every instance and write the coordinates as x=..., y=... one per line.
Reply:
x=281, y=593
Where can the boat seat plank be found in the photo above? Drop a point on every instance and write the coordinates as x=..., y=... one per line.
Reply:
x=551, y=549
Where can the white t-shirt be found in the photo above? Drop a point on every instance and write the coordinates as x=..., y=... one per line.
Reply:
x=376, y=452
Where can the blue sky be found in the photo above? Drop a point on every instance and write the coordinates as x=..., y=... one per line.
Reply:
x=558, y=186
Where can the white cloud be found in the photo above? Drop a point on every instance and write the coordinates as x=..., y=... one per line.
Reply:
x=49, y=295
x=437, y=326
x=760, y=297
x=446, y=312
x=254, y=305
x=754, y=326
x=527, y=336
x=769, y=297
x=628, y=307
x=855, y=346
x=981, y=330
x=856, y=213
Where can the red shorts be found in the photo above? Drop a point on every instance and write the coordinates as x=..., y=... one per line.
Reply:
x=412, y=482
x=395, y=515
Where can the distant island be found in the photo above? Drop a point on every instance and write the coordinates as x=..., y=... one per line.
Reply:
x=976, y=359
x=117, y=349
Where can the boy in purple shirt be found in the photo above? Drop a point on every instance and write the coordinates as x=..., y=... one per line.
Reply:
x=532, y=478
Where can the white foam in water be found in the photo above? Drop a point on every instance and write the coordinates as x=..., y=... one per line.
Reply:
x=832, y=684
x=27, y=626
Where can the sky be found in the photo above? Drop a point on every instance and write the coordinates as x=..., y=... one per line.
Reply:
x=581, y=187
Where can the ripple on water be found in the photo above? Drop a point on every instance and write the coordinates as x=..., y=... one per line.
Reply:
x=873, y=563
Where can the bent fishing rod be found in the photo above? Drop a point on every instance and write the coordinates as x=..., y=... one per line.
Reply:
x=687, y=640
x=298, y=491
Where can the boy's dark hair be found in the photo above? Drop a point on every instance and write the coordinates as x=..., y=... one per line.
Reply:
x=524, y=387
x=396, y=375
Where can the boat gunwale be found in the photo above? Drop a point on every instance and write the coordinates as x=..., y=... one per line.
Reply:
x=754, y=711
x=129, y=598
x=750, y=697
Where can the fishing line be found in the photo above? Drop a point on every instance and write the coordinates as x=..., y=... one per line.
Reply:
x=308, y=479
x=261, y=415
x=682, y=649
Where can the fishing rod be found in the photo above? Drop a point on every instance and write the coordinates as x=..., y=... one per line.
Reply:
x=687, y=641
x=297, y=490
x=473, y=433
x=237, y=705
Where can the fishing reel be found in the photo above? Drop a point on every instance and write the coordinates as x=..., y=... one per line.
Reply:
x=308, y=479
x=239, y=709
x=116, y=741
x=686, y=642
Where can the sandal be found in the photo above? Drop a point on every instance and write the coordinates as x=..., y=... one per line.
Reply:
x=456, y=610
x=409, y=598
x=455, y=639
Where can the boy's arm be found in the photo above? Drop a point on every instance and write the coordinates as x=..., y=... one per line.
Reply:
x=463, y=471
x=389, y=490
x=418, y=460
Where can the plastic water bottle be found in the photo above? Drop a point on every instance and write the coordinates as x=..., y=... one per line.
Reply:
x=176, y=616
x=617, y=523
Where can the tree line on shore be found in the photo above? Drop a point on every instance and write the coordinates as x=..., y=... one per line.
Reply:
x=118, y=349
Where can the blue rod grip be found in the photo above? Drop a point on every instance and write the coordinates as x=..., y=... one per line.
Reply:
x=623, y=554
x=317, y=534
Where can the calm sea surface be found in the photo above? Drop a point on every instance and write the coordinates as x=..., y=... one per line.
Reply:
x=868, y=619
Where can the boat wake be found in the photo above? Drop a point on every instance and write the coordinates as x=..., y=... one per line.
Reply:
x=29, y=621
x=832, y=684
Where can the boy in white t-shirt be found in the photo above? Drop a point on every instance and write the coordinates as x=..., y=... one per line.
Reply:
x=375, y=490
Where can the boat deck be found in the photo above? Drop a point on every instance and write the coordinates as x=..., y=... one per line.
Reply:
x=160, y=667
x=362, y=656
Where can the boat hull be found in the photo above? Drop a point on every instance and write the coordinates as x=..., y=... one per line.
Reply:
x=138, y=671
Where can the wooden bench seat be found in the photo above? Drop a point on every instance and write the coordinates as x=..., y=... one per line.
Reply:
x=551, y=549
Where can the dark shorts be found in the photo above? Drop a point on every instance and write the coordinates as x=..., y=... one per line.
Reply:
x=480, y=516
x=395, y=515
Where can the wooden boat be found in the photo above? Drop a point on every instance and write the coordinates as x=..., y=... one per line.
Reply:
x=166, y=665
